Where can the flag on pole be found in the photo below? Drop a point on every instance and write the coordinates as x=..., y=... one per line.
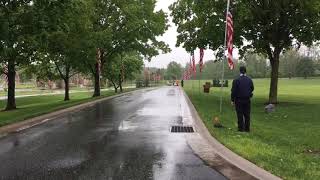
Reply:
x=201, y=59
x=230, y=40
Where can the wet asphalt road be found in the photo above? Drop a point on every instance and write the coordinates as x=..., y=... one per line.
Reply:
x=124, y=138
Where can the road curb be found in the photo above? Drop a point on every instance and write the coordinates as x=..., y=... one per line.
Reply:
x=26, y=124
x=225, y=153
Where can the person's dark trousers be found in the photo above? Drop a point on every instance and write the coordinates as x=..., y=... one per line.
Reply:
x=243, y=113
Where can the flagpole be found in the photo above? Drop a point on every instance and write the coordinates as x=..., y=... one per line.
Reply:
x=225, y=48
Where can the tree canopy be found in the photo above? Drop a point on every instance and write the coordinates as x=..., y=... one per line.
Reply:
x=174, y=71
x=77, y=36
x=266, y=27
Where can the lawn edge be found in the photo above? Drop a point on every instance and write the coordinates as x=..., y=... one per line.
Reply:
x=225, y=153
x=38, y=120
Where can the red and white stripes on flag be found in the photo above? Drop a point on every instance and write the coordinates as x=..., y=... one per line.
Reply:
x=185, y=76
x=201, y=59
x=230, y=40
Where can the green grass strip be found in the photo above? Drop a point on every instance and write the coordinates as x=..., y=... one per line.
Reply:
x=29, y=107
x=286, y=142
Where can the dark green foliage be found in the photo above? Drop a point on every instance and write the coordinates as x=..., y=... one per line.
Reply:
x=305, y=67
x=68, y=35
x=122, y=67
x=174, y=71
x=267, y=26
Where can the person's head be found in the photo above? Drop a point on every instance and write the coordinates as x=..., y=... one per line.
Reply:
x=243, y=70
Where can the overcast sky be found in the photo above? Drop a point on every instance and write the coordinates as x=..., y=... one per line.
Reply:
x=177, y=54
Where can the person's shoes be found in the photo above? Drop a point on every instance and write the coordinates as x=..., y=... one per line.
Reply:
x=240, y=130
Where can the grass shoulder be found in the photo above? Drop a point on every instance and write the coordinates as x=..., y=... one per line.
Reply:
x=286, y=142
x=29, y=107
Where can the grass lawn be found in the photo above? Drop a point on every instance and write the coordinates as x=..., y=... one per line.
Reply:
x=39, y=91
x=19, y=93
x=29, y=107
x=286, y=142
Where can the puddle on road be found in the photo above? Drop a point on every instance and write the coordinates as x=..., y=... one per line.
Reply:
x=67, y=162
x=171, y=92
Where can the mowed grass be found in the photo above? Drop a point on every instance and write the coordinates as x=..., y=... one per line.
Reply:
x=286, y=142
x=29, y=107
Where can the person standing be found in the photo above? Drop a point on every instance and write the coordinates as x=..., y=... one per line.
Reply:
x=241, y=93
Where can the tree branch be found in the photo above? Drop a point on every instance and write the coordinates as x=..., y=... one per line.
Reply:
x=89, y=65
x=269, y=52
x=73, y=74
x=60, y=72
x=114, y=84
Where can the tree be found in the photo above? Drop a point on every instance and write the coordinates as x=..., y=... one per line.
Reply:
x=123, y=26
x=305, y=67
x=267, y=27
x=43, y=69
x=288, y=63
x=123, y=67
x=174, y=71
x=16, y=41
x=64, y=24
x=256, y=65
x=212, y=70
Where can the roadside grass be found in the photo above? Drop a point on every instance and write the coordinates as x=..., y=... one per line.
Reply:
x=27, y=92
x=286, y=142
x=29, y=107
x=44, y=91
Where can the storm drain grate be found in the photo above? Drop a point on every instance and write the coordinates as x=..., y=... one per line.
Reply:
x=182, y=129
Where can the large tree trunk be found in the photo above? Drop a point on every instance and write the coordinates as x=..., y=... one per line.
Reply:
x=11, y=101
x=273, y=93
x=97, y=73
x=66, y=89
x=96, y=81
x=66, y=84
x=115, y=87
x=120, y=83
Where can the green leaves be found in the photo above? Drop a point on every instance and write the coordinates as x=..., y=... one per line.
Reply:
x=263, y=26
x=68, y=33
x=261, y=23
x=123, y=67
x=174, y=71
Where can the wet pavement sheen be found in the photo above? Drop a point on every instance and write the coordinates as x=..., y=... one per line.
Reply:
x=124, y=138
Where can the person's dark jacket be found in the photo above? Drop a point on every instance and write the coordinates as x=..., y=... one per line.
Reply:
x=242, y=88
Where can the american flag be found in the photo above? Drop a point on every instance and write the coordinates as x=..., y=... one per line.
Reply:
x=188, y=75
x=230, y=40
x=185, y=76
x=201, y=59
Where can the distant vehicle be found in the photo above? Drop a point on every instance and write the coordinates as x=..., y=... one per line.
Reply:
x=173, y=83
